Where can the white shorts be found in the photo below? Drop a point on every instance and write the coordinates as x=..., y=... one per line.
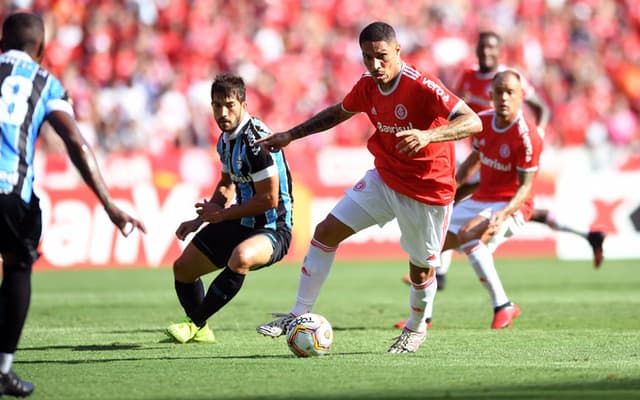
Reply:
x=468, y=209
x=422, y=227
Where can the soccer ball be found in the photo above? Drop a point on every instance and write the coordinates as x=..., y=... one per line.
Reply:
x=310, y=335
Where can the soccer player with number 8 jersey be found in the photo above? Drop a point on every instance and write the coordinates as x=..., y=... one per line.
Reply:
x=29, y=96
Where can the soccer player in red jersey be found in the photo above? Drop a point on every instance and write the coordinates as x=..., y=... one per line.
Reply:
x=474, y=84
x=474, y=87
x=507, y=152
x=416, y=119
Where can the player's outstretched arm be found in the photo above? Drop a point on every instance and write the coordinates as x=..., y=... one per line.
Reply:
x=84, y=160
x=325, y=119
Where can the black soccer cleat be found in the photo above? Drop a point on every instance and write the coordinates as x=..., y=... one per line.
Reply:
x=11, y=385
x=595, y=239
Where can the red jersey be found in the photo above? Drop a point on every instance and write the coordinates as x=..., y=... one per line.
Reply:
x=504, y=152
x=416, y=101
x=474, y=88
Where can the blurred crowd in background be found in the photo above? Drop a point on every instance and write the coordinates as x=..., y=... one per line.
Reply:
x=139, y=71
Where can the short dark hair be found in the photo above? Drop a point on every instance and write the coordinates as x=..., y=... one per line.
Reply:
x=229, y=85
x=489, y=34
x=378, y=32
x=22, y=31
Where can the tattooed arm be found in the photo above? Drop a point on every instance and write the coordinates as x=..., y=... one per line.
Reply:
x=325, y=119
x=463, y=123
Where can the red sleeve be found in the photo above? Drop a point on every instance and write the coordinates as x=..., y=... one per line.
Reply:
x=529, y=158
x=441, y=101
x=355, y=100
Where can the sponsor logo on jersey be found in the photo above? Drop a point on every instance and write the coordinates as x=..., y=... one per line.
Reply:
x=374, y=111
x=528, y=146
x=393, y=128
x=239, y=178
x=437, y=89
x=401, y=111
x=495, y=164
x=252, y=143
x=359, y=187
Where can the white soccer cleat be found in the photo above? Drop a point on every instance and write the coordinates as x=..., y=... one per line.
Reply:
x=408, y=341
x=277, y=327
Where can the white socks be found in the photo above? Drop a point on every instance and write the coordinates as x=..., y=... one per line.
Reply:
x=445, y=262
x=421, y=301
x=481, y=260
x=6, y=359
x=315, y=269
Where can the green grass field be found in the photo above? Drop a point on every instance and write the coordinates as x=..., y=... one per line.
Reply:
x=99, y=335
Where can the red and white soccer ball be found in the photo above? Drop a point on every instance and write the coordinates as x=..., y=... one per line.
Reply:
x=310, y=335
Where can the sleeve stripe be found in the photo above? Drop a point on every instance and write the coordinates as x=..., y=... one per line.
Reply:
x=265, y=173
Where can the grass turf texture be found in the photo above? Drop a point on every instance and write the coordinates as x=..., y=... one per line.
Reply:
x=99, y=335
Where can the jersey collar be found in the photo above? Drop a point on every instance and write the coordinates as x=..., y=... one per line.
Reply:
x=501, y=130
x=19, y=54
x=395, y=84
x=228, y=136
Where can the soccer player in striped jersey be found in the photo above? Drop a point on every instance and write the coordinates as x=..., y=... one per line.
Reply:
x=416, y=119
x=29, y=96
x=248, y=219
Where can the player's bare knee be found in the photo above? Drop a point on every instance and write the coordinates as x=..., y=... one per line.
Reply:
x=331, y=231
x=465, y=236
x=243, y=258
x=322, y=231
x=180, y=269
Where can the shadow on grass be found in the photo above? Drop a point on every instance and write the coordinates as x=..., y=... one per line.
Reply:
x=130, y=331
x=91, y=347
x=350, y=328
x=127, y=347
x=609, y=388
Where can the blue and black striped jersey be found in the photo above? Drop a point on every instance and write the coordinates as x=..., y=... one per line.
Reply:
x=246, y=163
x=27, y=94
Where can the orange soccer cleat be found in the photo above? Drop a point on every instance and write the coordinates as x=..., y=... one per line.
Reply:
x=503, y=317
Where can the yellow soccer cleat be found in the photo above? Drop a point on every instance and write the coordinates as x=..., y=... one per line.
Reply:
x=186, y=331
x=204, y=335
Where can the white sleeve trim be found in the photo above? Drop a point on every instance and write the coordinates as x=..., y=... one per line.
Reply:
x=455, y=108
x=345, y=110
x=265, y=173
x=59, y=105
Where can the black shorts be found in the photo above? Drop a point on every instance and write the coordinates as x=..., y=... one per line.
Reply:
x=218, y=240
x=20, y=228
